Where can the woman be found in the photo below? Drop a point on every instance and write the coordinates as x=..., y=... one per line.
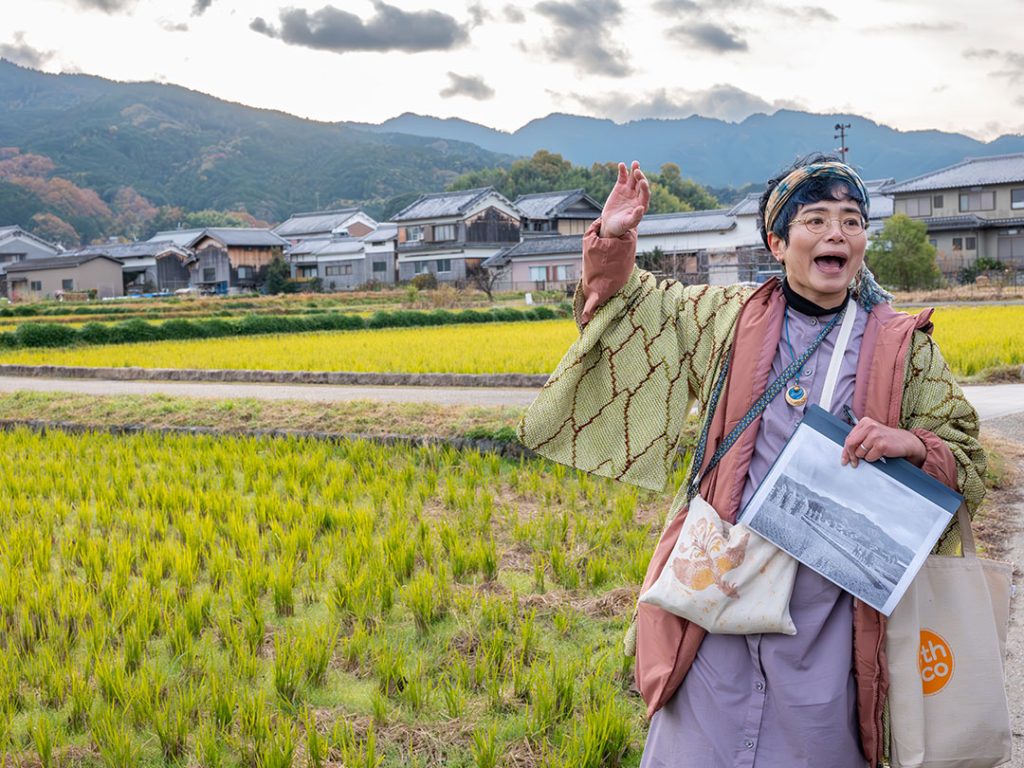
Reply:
x=616, y=404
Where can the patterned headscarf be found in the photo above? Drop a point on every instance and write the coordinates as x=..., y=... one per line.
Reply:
x=784, y=189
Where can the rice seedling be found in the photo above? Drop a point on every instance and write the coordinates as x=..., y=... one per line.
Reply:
x=288, y=668
x=43, y=736
x=486, y=747
x=156, y=622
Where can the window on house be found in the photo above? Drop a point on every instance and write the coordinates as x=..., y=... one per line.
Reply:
x=562, y=272
x=444, y=265
x=977, y=200
x=971, y=243
x=538, y=274
x=246, y=273
x=937, y=201
x=209, y=274
x=1010, y=249
x=332, y=270
x=67, y=285
x=958, y=243
x=413, y=234
x=380, y=266
x=308, y=271
x=444, y=232
x=419, y=267
x=933, y=242
x=915, y=206
x=346, y=269
x=1017, y=198
x=36, y=285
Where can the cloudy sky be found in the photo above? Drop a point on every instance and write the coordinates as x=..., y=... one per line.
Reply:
x=911, y=64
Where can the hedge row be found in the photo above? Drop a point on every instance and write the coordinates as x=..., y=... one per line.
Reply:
x=129, y=331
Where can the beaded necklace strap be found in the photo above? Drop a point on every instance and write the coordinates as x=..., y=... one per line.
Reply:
x=755, y=410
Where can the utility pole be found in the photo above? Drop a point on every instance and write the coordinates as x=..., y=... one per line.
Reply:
x=841, y=135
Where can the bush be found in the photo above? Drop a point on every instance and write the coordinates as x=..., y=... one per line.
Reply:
x=94, y=333
x=425, y=281
x=134, y=330
x=44, y=335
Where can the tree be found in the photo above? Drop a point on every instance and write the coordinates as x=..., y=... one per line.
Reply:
x=278, y=276
x=900, y=255
x=486, y=278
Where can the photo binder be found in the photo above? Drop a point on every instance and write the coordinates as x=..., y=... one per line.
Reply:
x=868, y=529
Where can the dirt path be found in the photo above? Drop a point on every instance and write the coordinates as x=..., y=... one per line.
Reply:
x=1007, y=543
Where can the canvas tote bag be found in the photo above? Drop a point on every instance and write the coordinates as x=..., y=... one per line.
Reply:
x=945, y=642
x=724, y=577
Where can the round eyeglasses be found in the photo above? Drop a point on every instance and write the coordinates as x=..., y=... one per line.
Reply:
x=817, y=224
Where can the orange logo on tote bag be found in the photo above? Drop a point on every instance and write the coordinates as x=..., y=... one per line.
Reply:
x=934, y=662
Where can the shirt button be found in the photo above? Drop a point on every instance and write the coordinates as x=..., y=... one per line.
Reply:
x=759, y=686
x=814, y=321
x=748, y=744
x=808, y=371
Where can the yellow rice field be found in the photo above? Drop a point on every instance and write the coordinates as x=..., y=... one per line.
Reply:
x=972, y=339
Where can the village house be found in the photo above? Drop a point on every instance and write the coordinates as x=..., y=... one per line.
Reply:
x=449, y=234
x=50, y=278
x=227, y=259
x=973, y=209
x=345, y=263
x=551, y=263
x=17, y=245
x=718, y=247
x=351, y=222
x=567, y=212
x=149, y=266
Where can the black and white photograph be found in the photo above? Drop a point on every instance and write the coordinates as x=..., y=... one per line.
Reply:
x=871, y=543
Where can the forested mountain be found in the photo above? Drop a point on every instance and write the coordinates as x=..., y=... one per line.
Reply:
x=717, y=153
x=83, y=158
x=73, y=143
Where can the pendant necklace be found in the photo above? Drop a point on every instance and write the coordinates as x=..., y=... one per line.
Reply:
x=795, y=394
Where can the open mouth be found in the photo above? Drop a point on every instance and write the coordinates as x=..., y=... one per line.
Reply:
x=830, y=262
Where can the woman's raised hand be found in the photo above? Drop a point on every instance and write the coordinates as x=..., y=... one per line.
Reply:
x=626, y=203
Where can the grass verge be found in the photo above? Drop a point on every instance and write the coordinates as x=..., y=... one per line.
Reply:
x=362, y=417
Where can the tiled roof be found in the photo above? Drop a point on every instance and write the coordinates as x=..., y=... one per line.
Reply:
x=146, y=248
x=544, y=205
x=972, y=172
x=748, y=206
x=242, y=236
x=383, y=232
x=554, y=245
x=57, y=262
x=718, y=220
x=969, y=221
x=314, y=221
x=340, y=246
x=180, y=237
x=230, y=236
x=307, y=246
x=939, y=223
x=16, y=231
x=441, y=204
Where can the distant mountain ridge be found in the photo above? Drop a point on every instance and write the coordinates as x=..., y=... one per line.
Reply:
x=91, y=154
x=179, y=147
x=715, y=152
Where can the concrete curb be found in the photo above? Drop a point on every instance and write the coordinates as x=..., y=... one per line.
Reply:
x=504, y=449
x=342, y=378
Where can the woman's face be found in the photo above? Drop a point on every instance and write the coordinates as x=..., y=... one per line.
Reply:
x=820, y=266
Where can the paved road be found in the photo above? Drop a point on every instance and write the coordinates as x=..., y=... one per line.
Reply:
x=1012, y=428
x=991, y=401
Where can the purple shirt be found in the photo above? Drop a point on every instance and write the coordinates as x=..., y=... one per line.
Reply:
x=772, y=700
